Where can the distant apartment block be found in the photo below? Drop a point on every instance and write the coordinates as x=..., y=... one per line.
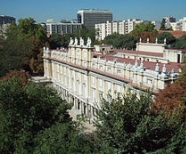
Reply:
x=120, y=27
x=170, y=19
x=183, y=24
x=157, y=24
x=5, y=21
x=170, y=22
x=62, y=28
x=90, y=17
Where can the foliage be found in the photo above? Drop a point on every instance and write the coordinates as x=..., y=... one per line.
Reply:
x=58, y=41
x=144, y=35
x=28, y=111
x=85, y=33
x=144, y=27
x=162, y=27
x=23, y=47
x=128, y=41
x=180, y=42
x=144, y=31
x=131, y=125
x=24, y=76
x=170, y=39
x=121, y=41
x=172, y=96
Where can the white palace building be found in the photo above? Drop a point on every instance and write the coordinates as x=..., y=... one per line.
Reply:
x=83, y=74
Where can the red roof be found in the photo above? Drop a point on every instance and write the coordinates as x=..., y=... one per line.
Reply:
x=174, y=33
x=154, y=54
x=147, y=64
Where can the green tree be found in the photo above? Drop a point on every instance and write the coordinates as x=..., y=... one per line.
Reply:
x=143, y=27
x=58, y=41
x=28, y=111
x=130, y=124
x=23, y=46
x=111, y=39
x=162, y=27
x=181, y=42
x=121, y=41
x=170, y=39
x=144, y=31
x=128, y=42
x=85, y=33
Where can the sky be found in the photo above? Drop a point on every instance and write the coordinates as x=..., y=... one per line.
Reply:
x=41, y=10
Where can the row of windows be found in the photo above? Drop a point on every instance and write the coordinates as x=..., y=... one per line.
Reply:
x=62, y=28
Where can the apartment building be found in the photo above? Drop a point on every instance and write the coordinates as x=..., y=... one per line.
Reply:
x=83, y=75
x=62, y=27
x=120, y=27
x=183, y=24
x=5, y=22
x=6, y=19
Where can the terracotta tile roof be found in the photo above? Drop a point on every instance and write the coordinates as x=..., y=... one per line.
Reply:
x=176, y=34
x=142, y=53
x=147, y=64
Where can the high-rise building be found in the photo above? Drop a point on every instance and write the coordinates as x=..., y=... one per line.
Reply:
x=120, y=27
x=183, y=24
x=5, y=21
x=168, y=21
x=90, y=17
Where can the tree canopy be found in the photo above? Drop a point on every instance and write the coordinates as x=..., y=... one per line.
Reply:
x=162, y=27
x=144, y=27
x=121, y=41
x=35, y=119
x=170, y=39
x=26, y=111
x=85, y=33
x=144, y=31
x=23, y=47
x=130, y=124
x=181, y=42
x=58, y=41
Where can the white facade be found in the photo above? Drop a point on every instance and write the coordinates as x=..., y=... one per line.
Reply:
x=120, y=27
x=183, y=23
x=83, y=77
x=132, y=23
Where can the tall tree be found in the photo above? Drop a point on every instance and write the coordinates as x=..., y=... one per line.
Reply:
x=130, y=124
x=173, y=96
x=58, y=41
x=85, y=33
x=23, y=45
x=170, y=39
x=144, y=27
x=163, y=22
x=121, y=41
x=26, y=111
x=144, y=31
x=181, y=42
